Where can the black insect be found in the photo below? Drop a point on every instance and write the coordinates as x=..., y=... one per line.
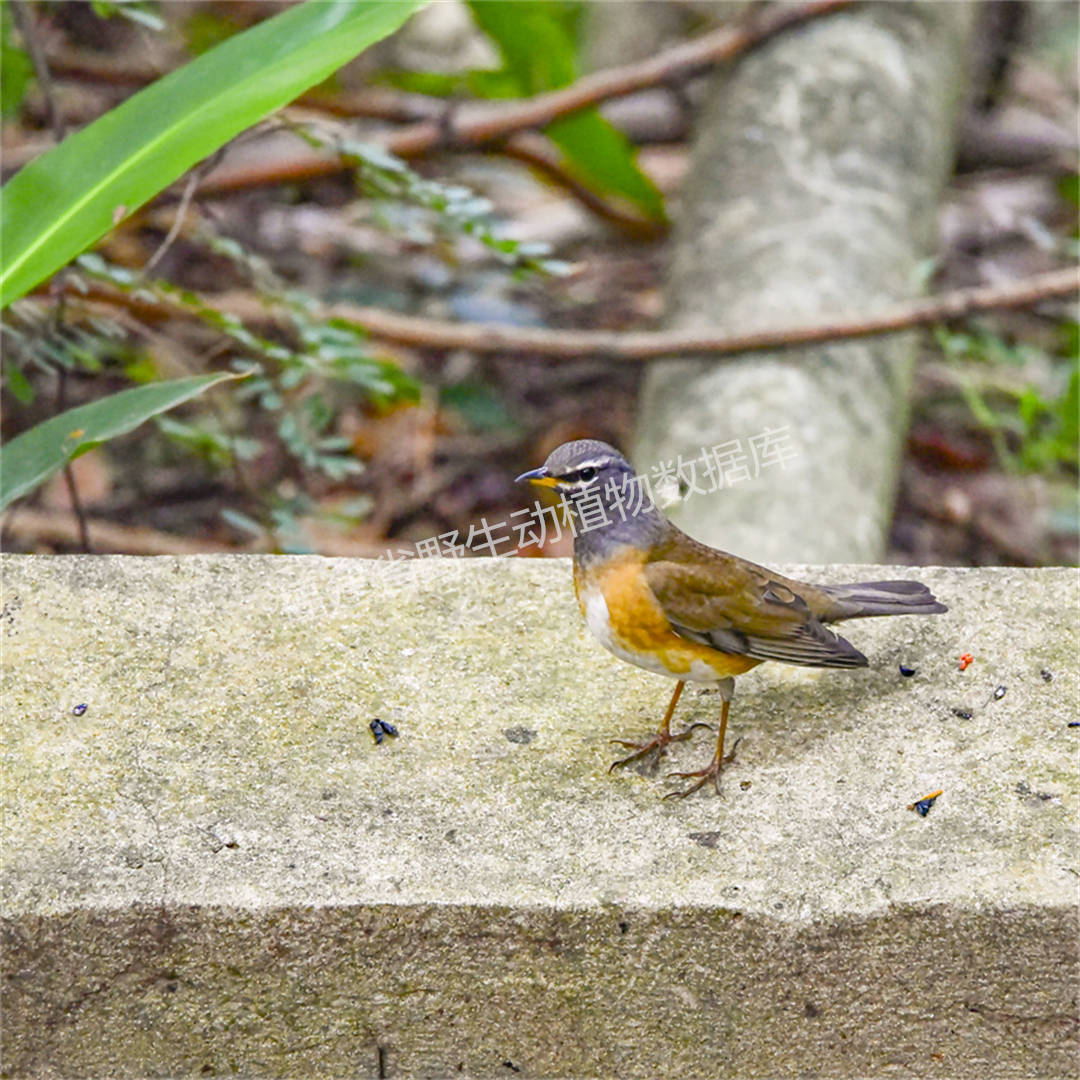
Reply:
x=380, y=728
x=907, y=672
x=999, y=693
x=1046, y=675
x=79, y=709
x=962, y=713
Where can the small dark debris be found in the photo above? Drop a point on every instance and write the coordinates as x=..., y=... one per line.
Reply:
x=922, y=806
x=508, y=1064
x=379, y=728
x=999, y=693
x=79, y=709
x=1022, y=788
x=964, y=714
x=520, y=735
x=170, y=988
x=744, y=785
x=907, y=672
x=1047, y=676
x=706, y=839
x=811, y=1010
x=623, y=927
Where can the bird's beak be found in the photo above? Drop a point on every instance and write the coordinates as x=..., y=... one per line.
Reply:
x=539, y=477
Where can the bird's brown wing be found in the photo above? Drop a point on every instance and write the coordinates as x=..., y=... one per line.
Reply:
x=737, y=607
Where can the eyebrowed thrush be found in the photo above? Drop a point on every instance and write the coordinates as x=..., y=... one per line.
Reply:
x=657, y=598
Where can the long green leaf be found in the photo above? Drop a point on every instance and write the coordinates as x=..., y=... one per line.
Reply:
x=58, y=205
x=35, y=455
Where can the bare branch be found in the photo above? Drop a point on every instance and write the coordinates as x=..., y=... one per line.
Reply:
x=477, y=125
x=634, y=345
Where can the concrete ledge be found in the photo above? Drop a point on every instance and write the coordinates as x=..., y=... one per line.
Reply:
x=213, y=869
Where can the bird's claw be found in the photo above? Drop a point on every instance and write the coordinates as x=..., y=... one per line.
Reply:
x=658, y=742
x=710, y=772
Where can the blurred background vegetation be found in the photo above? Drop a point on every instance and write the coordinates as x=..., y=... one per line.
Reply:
x=343, y=443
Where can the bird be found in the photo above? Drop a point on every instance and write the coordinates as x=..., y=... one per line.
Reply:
x=657, y=598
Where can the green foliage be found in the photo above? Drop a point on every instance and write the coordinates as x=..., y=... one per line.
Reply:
x=453, y=207
x=204, y=29
x=479, y=406
x=34, y=456
x=205, y=439
x=16, y=68
x=140, y=12
x=287, y=383
x=537, y=39
x=1032, y=429
x=62, y=202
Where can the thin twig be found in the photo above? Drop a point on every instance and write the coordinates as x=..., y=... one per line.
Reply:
x=193, y=181
x=178, y=221
x=69, y=474
x=634, y=345
x=536, y=151
x=25, y=22
x=31, y=527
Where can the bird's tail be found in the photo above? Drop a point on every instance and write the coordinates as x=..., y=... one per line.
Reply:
x=867, y=598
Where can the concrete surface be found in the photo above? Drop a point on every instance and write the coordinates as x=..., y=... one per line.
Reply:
x=214, y=870
x=812, y=191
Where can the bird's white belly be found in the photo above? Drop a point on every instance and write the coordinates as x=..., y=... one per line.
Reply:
x=598, y=620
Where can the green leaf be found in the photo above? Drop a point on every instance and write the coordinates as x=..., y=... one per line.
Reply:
x=16, y=68
x=34, y=456
x=537, y=44
x=537, y=41
x=68, y=198
x=19, y=385
x=478, y=405
x=136, y=11
x=603, y=158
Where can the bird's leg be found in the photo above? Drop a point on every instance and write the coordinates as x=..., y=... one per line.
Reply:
x=660, y=740
x=713, y=769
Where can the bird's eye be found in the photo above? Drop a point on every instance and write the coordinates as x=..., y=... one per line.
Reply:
x=587, y=474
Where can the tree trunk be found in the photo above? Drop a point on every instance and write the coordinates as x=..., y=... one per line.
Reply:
x=814, y=185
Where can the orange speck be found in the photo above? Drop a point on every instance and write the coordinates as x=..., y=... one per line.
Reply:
x=77, y=433
x=927, y=798
x=966, y=659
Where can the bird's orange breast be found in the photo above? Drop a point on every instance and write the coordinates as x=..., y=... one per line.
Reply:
x=624, y=615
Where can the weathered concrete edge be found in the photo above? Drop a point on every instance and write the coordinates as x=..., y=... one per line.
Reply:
x=444, y=990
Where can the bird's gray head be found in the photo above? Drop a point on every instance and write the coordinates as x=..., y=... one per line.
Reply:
x=581, y=468
x=610, y=504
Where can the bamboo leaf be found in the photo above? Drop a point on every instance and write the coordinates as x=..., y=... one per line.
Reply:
x=32, y=457
x=61, y=203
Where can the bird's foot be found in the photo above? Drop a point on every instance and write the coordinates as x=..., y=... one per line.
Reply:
x=658, y=743
x=711, y=772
